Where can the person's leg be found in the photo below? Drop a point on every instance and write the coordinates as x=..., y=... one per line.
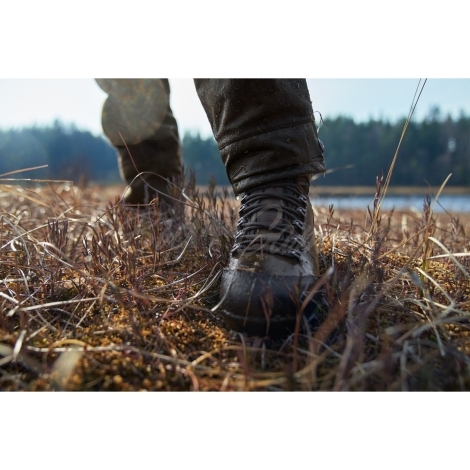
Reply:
x=138, y=120
x=266, y=134
x=264, y=128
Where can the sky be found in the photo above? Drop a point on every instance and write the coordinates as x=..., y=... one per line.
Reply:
x=40, y=101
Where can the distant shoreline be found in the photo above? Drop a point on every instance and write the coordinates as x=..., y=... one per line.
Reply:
x=370, y=190
x=322, y=190
x=396, y=190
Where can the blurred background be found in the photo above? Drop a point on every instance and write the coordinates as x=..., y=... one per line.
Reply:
x=56, y=122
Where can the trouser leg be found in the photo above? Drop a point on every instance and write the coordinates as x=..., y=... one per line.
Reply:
x=265, y=129
x=138, y=120
x=267, y=138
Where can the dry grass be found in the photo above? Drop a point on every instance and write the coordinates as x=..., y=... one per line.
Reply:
x=97, y=295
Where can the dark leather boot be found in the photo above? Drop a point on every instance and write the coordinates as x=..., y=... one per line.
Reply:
x=274, y=262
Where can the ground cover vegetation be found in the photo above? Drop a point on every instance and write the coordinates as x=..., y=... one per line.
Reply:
x=435, y=146
x=97, y=295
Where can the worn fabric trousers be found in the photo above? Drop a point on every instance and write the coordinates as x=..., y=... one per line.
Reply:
x=264, y=128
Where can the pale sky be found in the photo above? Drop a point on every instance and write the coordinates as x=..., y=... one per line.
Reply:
x=28, y=101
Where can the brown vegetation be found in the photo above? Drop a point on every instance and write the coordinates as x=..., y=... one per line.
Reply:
x=97, y=295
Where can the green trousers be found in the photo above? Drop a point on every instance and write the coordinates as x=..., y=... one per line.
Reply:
x=264, y=128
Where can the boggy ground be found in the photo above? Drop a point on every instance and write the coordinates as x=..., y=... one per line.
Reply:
x=96, y=295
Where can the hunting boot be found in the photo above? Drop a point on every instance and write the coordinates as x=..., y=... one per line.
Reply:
x=138, y=120
x=269, y=145
x=274, y=262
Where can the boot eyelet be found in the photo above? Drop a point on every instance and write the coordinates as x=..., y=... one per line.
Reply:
x=241, y=222
x=239, y=234
x=237, y=247
x=298, y=225
x=297, y=239
x=295, y=254
x=301, y=210
x=303, y=199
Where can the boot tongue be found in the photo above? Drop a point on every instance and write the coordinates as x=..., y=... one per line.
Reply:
x=268, y=217
x=271, y=212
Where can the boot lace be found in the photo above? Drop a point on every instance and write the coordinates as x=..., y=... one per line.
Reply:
x=271, y=220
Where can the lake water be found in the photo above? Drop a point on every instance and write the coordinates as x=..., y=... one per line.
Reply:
x=454, y=203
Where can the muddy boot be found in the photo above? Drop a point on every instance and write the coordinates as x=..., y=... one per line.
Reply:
x=274, y=263
x=138, y=120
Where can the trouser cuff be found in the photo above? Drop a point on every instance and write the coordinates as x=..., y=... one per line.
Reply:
x=282, y=153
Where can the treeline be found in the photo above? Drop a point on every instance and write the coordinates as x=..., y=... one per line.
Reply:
x=203, y=157
x=355, y=153
x=69, y=153
x=430, y=150
x=80, y=156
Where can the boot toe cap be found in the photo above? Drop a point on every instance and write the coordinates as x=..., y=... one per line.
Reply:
x=260, y=303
